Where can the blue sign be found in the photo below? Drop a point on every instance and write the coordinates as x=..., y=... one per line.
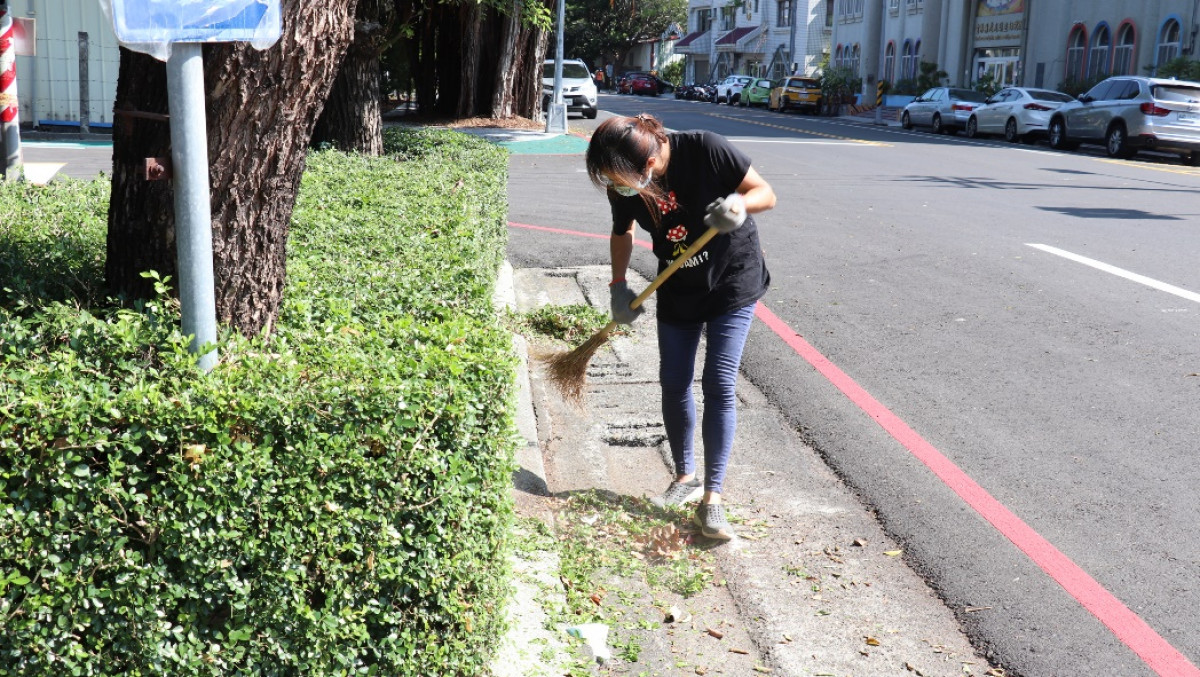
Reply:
x=164, y=21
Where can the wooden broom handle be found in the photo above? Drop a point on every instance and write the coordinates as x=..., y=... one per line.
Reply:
x=675, y=265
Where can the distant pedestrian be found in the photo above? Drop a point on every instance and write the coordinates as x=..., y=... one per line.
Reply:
x=676, y=185
x=608, y=76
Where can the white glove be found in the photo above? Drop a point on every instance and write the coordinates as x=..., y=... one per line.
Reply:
x=726, y=214
x=621, y=296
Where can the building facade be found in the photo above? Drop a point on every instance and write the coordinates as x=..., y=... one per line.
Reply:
x=1036, y=43
x=763, y=38
x=49, y=80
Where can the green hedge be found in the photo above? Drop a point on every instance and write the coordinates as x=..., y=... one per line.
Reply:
x=331, y=501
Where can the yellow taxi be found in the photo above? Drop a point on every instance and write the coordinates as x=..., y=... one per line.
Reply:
x=796, y=92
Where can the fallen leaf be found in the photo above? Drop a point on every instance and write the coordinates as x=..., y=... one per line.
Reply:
x=194, y=453
x=872, y=641
x=893, y=553
x=862, y=543
x=762, y=669
x=716, y=633
x=739, y=651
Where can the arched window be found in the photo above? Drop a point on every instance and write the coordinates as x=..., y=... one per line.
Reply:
x=907, y=64
x=837, y=57
x=1123, y=52
x=855, y=57
x=1098, y=57
x=1076, y=51
x=1168, y=42
x=889, y=63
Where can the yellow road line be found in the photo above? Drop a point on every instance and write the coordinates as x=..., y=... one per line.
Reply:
x=800, y=131
x=1190, y=171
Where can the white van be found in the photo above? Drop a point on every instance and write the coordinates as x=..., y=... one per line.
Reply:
x=578, y=88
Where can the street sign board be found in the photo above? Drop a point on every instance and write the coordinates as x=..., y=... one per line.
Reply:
x=167, y=21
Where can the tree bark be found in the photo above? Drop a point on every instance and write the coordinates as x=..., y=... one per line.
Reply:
x=472, y=23
x=352, y=119
x=261, y=108
x=141, y=213
x=504, y=74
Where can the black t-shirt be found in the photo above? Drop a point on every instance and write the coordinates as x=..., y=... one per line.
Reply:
x=729, y=272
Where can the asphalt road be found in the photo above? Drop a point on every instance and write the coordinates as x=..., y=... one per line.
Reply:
x=1022, y=418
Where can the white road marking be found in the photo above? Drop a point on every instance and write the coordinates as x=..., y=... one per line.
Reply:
x=810, y=143
x=1119, y=272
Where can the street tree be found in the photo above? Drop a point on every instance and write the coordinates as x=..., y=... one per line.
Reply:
x=467, y=58
x=352, y=119
x=609, y=29
x=262, y=107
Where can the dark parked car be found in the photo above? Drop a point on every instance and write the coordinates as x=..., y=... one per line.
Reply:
x=1128, y=113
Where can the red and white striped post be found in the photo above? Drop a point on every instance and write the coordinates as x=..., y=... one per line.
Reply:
x=10, y=123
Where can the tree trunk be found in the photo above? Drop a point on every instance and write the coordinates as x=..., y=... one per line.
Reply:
x=351, y=119
x=472, y=22
x=261, y=108
x=503, y=103
x=141, y=213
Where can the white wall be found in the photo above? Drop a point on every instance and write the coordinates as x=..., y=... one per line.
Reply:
x=48, y=83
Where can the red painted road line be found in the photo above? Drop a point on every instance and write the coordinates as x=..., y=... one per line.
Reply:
x=1128, y=627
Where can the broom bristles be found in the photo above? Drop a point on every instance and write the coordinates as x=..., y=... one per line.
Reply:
x=568, y=371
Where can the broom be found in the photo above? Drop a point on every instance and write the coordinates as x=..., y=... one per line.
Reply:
x=568, y=371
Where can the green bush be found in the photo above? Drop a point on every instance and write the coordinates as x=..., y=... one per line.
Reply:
x=331, y=500
x=1180, y=67
x=52, y=242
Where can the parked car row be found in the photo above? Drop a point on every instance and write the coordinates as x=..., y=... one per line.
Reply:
x=789, y=93
x=1124, y=114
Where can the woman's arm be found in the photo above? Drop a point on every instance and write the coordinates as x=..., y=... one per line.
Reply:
x=621, y=249
x=757, y=193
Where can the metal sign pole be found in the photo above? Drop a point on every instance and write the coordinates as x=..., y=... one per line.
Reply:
x=193, y=209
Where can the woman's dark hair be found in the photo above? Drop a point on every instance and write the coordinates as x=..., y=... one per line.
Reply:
x=621, y=147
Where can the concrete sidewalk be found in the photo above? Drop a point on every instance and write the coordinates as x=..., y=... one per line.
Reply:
x=814, y=584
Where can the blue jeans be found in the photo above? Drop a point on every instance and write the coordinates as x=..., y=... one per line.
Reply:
x=677, y=347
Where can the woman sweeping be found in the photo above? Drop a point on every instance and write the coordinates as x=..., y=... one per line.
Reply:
x=676, y=185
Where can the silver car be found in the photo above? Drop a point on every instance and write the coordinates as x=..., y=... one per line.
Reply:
x=1130, y=113
x=1019, y=113
x=943, y=109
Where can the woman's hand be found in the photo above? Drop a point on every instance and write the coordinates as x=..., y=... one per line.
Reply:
x=621, y=296
x=726, y=214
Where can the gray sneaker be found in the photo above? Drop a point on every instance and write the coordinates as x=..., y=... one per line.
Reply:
x=679, y=493
x=710, y=517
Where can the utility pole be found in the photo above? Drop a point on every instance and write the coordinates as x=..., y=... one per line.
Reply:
x=879, y=60
x=556, y=113
x=792, y=67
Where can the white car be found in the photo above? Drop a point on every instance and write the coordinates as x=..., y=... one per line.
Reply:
x=1019, y=113
x=578, y=87
x=729, y=90
x=945, y=110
